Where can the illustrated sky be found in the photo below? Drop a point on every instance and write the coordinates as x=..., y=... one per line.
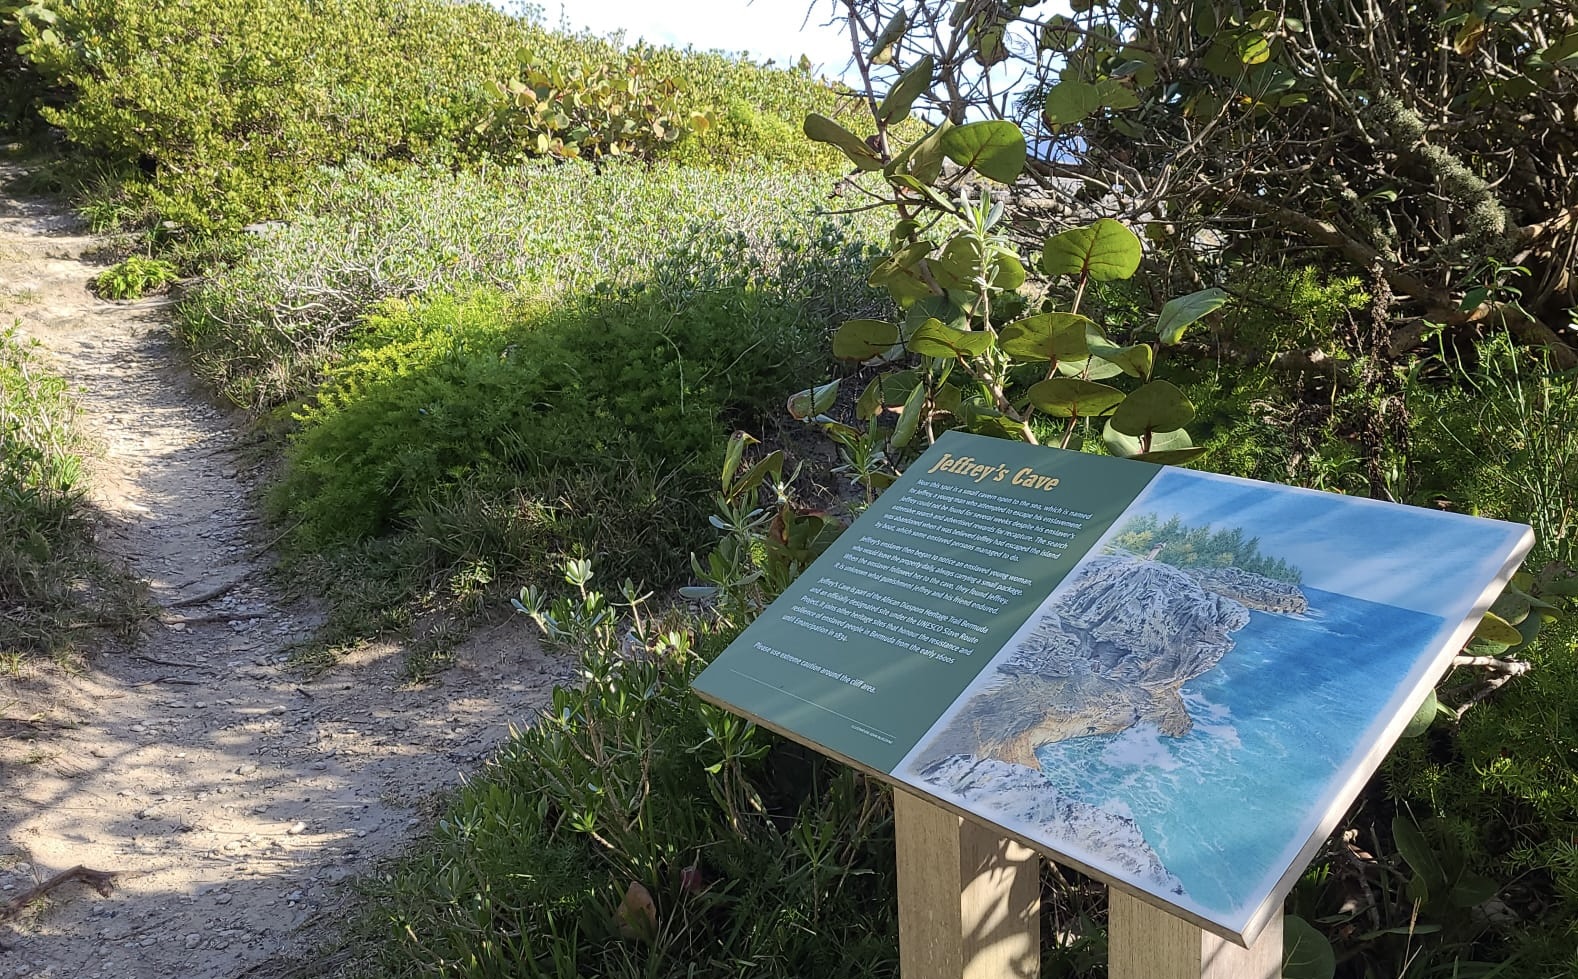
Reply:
x=1402, y=556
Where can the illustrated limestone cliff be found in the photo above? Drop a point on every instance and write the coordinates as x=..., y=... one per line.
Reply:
x=1113, y=650
x=1255, y=591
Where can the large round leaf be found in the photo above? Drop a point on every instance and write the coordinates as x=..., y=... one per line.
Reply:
x=882, y=48
x=861, y=340
x=906, y=90
x=1070, y=101
x=869, y=404
x=1155, y=407
x=885, y=390
x=1170, y=457
x=1104, y=251
x=1180, y=312
x=1420, y=722
x=1046, y=336
x=909, y=417
x=1006, y=271
x=1070, y=397
x=1116, y=95
x=922, y=159
x=1253, y=48
x=807, y=404
x=1135, y=361
x=1306, y=953
x=1513, y=605
x=1529, y=628
x=1090, y=368
x=824, y=130
x=933, y=339
x=1164, y=445
x=960, y=262
x=956, y=266
x=899, y=276
x=1493, y=628
x=940, y=307
x=994, y=426
x=994, y=148
x=1060, y=34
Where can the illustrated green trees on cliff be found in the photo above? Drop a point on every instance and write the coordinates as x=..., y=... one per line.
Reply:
x=1175, y=543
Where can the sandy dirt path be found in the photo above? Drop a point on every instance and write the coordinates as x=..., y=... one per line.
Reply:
x=235, y=796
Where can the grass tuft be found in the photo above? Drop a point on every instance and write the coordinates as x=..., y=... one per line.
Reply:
x=55, y=589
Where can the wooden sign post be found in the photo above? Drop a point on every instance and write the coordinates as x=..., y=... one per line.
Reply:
x=969, y=900
x=1145, y=942
x=970, y=907
x=1172, y=681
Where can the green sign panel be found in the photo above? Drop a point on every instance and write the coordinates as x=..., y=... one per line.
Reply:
x=874, y=641
x=1172, y=680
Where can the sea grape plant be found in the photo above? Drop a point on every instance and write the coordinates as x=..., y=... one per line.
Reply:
x=591, y=111
x=974, y=348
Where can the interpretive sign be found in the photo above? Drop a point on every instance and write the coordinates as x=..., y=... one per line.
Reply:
x=1172, y=680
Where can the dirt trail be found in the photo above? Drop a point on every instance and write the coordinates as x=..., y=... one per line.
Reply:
x=236, y=795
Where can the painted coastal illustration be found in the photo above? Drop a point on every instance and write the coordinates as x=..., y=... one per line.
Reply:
x=1181, y=712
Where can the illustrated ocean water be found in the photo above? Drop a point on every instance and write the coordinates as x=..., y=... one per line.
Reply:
x=1271, y=719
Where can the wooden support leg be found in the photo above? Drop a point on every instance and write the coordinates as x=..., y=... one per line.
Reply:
x=1148, y=943
x=969, y=900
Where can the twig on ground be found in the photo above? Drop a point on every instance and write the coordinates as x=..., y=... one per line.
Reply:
x=276, y=539
x=167, y=662
x=208, y=595
x=181, y=680
x=202, y=619
x=102, y=881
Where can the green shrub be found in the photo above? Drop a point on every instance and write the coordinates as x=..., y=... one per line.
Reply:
x=263, y=328
x=1498, y=436
x=53, y=587
x=592, y=111
x=212, y=113
x=753, y=112
x=134, y=278
x=228, y=102
x=1273, y=423
x=759, y=858
x=756, y=113
x=514, y=430
x=23, y=91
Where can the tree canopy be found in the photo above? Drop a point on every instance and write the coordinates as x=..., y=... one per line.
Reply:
x=1426, y=147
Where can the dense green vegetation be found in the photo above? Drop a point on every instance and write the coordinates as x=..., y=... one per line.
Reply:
x=262, y=329
x=55, y=590
x=507, y=434
x=210, y=115
x=636, y=832
x=483, y=373
x=419, y=219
